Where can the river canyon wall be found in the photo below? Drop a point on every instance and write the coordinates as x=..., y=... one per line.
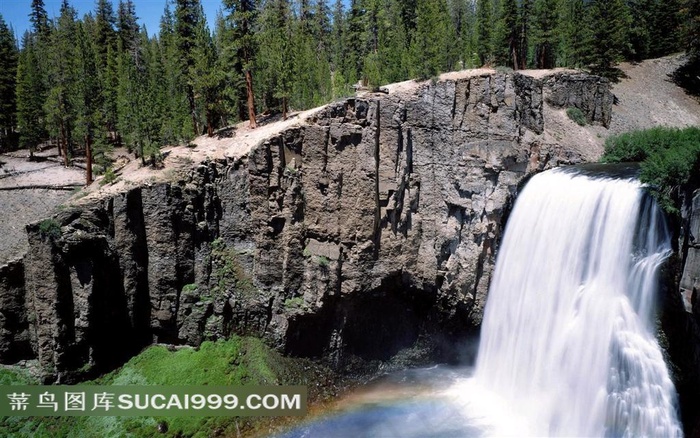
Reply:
x=368, y=229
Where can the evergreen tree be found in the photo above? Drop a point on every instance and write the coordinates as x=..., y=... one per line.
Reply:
x=39, y=19
x=86, y=92
x=311, y=84
x=338, y=43
x=353, y=42
x=61, y=75
x=274, y=42
x=609, y=24
x=691, y=31
x=104, y=32
x=573, y=33
x=665, y=33
x=187, y=20
x=484, y=14
x=8, y=79
x=242, y=16
x=639, y=30
x=507, y=35
x=524, y=33
x=229, y=65
x=432, y=42
x=177, y=125
x=545, y=33
x=105, y=41
x=205, y=77
x=128, y=29
x=393, y=54
x=30, y=91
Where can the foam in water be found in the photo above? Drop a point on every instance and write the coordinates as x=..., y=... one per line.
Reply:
x=568, y=335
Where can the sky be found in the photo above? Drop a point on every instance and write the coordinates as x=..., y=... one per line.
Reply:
x=16, y=12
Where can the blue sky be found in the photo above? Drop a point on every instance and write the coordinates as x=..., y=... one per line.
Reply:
x=16, y=12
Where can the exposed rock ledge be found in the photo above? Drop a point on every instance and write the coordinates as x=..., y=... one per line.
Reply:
x=354, y=234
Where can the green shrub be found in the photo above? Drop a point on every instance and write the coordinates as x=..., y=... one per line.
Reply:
x=577, y=116
x=294, y=303
x=188, y=288
x=109, y=177
x=50, y=228
x=323, y=261
x=669, y=157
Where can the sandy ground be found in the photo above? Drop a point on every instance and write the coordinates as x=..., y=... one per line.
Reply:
x=645, y=98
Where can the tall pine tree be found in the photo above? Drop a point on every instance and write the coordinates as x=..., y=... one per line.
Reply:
x=242, y=14
x=432, y=48
x=30, y=92
x=609, y=23
x=8, y=79
x=544, y=36
x=484, y=16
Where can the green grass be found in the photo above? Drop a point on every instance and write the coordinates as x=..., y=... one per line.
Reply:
x=237, y=361
x=669, y=157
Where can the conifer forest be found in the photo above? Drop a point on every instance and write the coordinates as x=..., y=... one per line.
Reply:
x=87, y=84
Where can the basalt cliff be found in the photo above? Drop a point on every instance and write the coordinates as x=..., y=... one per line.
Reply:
x=364, y=231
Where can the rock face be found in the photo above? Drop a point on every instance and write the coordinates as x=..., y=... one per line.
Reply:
x=681, y=317
x=369, y=229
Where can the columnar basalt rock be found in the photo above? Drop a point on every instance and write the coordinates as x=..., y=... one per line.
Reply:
x=357, y=233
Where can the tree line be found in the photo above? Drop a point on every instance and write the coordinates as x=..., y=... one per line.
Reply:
x=90, y=83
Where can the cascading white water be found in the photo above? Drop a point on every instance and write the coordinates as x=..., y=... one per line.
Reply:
x=568, y=334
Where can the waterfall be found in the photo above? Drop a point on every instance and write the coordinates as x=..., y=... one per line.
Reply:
x=568, y=338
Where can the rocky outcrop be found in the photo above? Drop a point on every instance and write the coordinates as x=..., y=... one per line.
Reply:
x=357, y=234
x=681, y=316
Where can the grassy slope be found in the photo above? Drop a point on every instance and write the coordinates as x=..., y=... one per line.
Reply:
x=238, y=361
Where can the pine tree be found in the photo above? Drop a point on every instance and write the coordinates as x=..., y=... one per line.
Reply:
x=177, y=125
x=484, y=14
x=205, y=77
x=128, y=29
x=507, y=35
x=665, y=33
x=609, y=24
x=524, y=33
x=691, y=30
x=104, y=33
x=353, y=43
x=545, y=33
x=338, y=44
x=30, y=91
x=393, y=53
x=60, y=77
x=105, y=41
x=187, y=18
x=39, y=19
x=242, y=14
x=85, y=100
x=8, y=78
x=432, y=42
x=228, y=64
x=573, y=33
x=274, y=40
